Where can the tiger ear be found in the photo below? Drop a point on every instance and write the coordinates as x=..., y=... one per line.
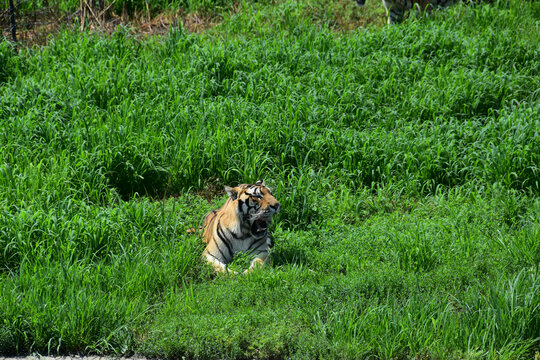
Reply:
x=260, y=183
x=232, y=192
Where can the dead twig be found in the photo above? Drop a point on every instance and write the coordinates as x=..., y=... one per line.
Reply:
x=83, y=15
x=92, y=12
x=106, y=9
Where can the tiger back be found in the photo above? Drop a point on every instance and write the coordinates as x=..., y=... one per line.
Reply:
x=240, y=225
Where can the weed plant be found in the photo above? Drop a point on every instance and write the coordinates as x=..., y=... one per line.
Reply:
x=406, y=159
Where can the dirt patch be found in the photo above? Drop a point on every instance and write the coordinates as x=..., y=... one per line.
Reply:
x=74, y=357
x=345, y=15
x=36, y=27
x=143, y=24
x=212, y=188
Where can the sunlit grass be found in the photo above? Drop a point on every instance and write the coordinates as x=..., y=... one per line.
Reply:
x=406, y=160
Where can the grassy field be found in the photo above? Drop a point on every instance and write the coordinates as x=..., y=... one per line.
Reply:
x=406, y=160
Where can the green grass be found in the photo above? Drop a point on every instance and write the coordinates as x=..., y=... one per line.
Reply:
x=406, y=160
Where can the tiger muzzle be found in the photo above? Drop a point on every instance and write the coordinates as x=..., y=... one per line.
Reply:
x=263, y=221
x=260, y=226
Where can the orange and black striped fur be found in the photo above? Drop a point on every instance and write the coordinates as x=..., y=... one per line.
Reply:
x=240, y=225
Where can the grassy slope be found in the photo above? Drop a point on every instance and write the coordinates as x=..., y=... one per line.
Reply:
x=406, y=159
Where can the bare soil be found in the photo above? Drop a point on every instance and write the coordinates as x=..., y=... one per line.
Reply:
x=72, y=357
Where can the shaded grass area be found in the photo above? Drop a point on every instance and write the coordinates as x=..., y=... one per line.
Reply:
x=129, y=6
x=405, y=158
x=197, y=15
x=318, y=9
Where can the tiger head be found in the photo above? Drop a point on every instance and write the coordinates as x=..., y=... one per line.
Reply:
x=255, y=205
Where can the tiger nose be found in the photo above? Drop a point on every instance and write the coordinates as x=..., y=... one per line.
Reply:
x=276, y=207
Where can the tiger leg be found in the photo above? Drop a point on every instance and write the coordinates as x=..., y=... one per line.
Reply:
x=218, y=266
x=258, y=261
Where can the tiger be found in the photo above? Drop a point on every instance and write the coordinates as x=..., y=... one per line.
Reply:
x=396, y=9
x=240, y=225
